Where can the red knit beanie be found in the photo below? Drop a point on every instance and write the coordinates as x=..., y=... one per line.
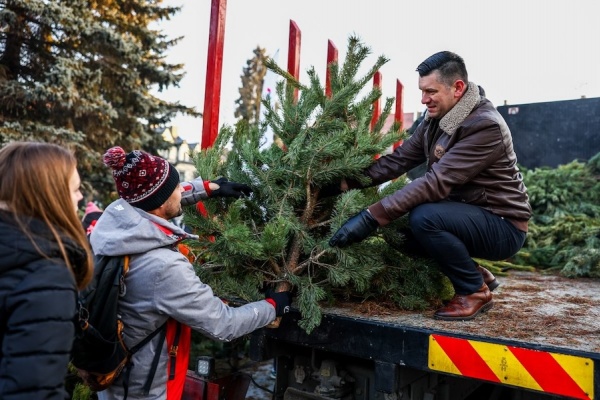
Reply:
x=143, y=180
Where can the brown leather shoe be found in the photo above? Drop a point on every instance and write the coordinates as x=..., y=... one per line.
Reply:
x=464, y=307
x=488, y=278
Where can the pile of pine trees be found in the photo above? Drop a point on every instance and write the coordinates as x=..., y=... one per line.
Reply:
x=564, y=233
x=280, y=234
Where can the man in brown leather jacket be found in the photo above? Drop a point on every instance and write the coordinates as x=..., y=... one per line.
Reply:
x=471, y=202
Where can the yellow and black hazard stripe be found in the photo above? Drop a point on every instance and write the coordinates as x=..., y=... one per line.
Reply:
x=555, y=373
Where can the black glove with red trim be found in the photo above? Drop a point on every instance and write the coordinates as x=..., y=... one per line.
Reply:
x=230, y=189
x=280, y=300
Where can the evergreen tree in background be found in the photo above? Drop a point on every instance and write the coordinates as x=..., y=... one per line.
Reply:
x=248, y=104
x=79, y=73
x=280, y=234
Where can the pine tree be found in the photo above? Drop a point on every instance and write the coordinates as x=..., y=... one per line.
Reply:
x=248, y=104
x=80, y=73
x=564, y=233
x=280, y=234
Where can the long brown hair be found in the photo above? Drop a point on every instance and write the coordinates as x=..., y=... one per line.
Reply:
x=34, y=182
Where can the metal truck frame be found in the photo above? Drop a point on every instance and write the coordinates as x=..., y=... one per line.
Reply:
x=409, y=355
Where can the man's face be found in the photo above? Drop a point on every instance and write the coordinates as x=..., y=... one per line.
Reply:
x=172, y=207
x=437, y=96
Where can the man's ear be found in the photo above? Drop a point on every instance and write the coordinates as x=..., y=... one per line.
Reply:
x=460, y=88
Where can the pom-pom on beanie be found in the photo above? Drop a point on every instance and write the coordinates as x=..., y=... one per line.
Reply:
x=143, y=180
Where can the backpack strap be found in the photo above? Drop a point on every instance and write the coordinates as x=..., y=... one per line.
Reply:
x=152, y=372
x=125, y=265
x=124, y=271
x=146, y=388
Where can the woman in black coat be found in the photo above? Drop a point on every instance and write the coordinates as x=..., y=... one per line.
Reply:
x=44, y=259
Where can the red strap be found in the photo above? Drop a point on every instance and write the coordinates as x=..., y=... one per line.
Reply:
x=175, y=386
x=187, y=252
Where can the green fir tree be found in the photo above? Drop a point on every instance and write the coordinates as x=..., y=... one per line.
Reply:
x=280, y=234
x=253, y=77
x=564, y=233
x=82, y=73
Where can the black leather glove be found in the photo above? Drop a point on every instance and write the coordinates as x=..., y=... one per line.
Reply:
x=230, y=189
x=354, y=230
x=282, y=301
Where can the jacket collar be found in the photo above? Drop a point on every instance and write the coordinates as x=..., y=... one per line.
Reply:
x=452, y=120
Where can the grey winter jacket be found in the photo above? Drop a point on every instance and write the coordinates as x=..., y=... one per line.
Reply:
x=161, y=283
x=471, y=161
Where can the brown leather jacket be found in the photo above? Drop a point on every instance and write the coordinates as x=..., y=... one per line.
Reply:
x=472, y=161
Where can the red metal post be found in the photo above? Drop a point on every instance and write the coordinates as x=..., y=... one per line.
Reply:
x=214, y=68
x=377, y=103
x=294, y=54
x=399, y=114
x=332, y=57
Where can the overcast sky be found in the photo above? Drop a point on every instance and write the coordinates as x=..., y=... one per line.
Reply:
x=520, y=51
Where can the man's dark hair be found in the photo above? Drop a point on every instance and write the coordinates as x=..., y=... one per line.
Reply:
x=451, y=67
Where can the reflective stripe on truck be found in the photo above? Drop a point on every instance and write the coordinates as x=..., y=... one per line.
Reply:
x=544, y=371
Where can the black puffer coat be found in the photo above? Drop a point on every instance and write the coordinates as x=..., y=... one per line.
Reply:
x=37, y=312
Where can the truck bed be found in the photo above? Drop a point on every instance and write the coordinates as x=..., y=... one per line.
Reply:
x=543, y=334
x=529, y=307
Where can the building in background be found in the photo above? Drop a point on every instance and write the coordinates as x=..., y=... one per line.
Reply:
x=554, y=133
x=179, y=154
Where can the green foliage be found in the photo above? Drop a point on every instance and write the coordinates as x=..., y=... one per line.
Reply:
x=564, y=233
x=83, y=392
x=248, y=104
x=280, y=234
x=80, y=74
x=75, y=387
